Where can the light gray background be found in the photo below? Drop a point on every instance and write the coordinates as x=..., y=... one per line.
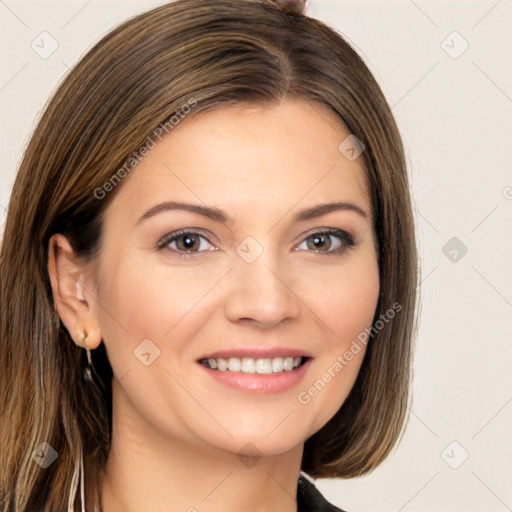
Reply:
x=454, y=110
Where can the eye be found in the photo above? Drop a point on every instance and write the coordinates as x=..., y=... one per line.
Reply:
x=322, y=239
x=187, y=242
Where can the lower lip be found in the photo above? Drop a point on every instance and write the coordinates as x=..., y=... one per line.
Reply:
x=268, y=383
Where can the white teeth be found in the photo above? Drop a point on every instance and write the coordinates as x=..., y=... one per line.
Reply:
x=277, y=364
x=222, y=364
x=263, y=366
x=288, y=363
x=234, y=364
x=250, y=365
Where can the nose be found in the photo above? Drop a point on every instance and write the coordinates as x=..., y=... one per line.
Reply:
x=261, y=293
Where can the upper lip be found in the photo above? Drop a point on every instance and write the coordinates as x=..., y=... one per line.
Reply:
x=257, y=353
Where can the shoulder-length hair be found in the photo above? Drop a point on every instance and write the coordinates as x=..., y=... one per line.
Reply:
x=139, y=77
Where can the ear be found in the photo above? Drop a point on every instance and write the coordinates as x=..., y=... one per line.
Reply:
x=73, y=289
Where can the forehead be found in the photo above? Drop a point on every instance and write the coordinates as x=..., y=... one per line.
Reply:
x=246, y=155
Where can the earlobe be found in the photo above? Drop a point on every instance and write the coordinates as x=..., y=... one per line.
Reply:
x=74, y=304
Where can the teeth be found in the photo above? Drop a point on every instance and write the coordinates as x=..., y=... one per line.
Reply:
x=234, y=364
x=263, y=366
x=250, y=365
x=222, y=365
x=277, y=364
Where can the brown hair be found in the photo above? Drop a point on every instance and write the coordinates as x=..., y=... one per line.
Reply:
x=216, y=52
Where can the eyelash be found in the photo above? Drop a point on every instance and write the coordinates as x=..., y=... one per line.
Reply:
x=346, y=239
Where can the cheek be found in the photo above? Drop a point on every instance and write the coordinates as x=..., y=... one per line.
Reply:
x=154, y=302
x=356, y=302
x=347, y=310
x=347, y=305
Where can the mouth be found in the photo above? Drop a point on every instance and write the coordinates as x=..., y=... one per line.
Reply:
x=249, y=365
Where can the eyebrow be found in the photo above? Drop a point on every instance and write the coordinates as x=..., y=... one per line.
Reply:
x=219, y=215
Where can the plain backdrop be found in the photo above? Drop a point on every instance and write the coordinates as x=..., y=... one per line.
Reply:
x=445, y=68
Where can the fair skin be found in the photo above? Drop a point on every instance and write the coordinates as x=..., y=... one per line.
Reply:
x=178, y=436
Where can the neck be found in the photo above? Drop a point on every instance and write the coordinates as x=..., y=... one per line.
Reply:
x=149, y=470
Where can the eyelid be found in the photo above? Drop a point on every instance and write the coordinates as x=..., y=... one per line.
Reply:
x=343, y=234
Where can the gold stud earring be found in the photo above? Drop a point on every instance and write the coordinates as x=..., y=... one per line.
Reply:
x=80, y=338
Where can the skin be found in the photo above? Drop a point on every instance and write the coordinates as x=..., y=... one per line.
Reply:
x=178, y=436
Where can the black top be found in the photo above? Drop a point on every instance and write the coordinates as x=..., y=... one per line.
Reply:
x=309, y=498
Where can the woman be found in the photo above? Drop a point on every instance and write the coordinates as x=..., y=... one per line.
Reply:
x=208, y=271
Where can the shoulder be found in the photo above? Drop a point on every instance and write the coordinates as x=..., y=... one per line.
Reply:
x=310, y=499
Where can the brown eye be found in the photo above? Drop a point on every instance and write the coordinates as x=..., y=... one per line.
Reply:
x=185, y=242
x=319, y=242
x=322, y=241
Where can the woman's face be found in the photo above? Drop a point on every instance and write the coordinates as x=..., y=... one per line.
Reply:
x=264, y=280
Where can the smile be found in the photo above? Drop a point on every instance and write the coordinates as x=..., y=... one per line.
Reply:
x=251, y=365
